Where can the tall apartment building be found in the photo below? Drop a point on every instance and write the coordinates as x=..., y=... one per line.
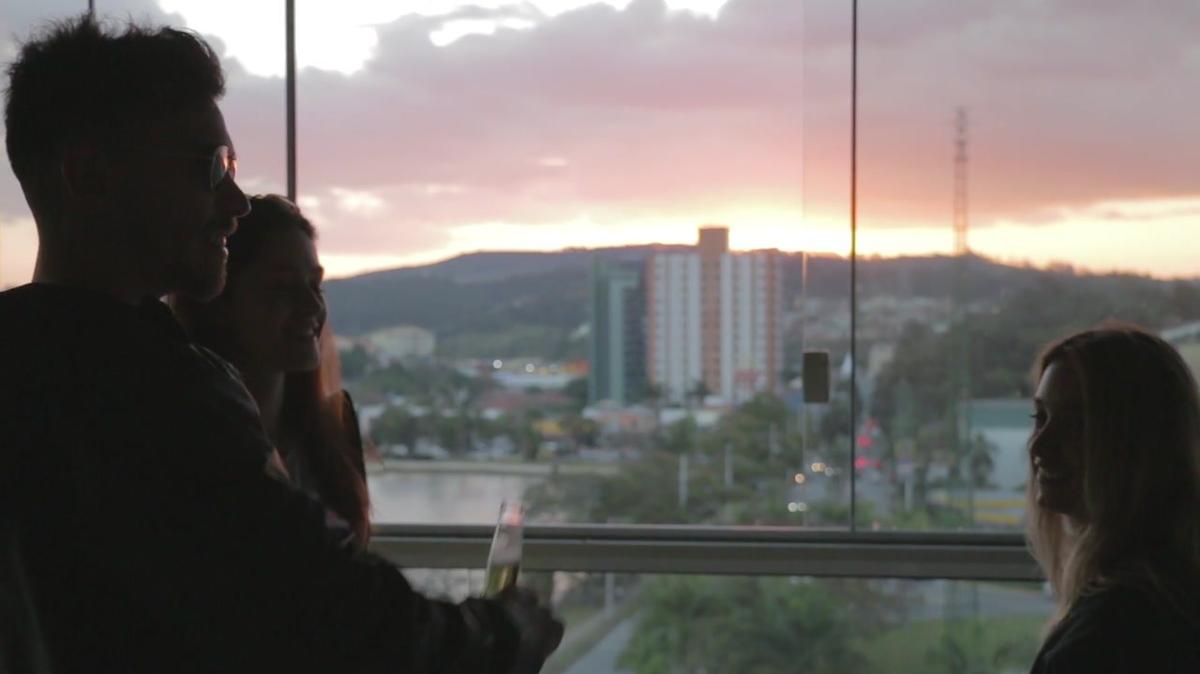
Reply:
x=616, y=366
x=716, y=318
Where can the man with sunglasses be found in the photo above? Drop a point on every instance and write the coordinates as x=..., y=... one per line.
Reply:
x=139, y=524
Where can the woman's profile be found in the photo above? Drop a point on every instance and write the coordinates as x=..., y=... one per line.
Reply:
x=270, y=323
x=1114, y=503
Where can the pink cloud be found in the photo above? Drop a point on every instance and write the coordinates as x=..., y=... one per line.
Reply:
x=647, y=112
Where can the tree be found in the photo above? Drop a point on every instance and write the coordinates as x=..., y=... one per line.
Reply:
x=454, y=431
x=755, y=429
x=526, y=435
x=395, y=379
x=642, y=492
x=583, y=432
x=680, y=437
x=577, y=392
x=355, y=362
x=698, y=393
x=646, y=488
x=397, y=426
x=761, y=625
x=900, y=442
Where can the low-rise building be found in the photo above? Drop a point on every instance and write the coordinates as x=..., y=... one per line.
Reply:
x=399, y=343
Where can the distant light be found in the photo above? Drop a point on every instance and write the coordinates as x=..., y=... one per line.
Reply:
x=497, y=364
x=529, y=368
x=792, y=507
x=818, y=467
x=830, y=472
x=799, y=478
x=797, y=507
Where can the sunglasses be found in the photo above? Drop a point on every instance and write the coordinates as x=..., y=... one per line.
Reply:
x=222, y=164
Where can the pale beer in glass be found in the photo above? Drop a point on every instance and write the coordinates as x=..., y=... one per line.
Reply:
x=504, y=559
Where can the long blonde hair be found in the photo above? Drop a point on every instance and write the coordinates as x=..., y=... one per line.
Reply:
x=1141, y=472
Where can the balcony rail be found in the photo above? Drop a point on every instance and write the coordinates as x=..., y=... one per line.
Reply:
x=670, y=549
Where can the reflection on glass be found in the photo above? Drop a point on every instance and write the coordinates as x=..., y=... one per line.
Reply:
x=635, y=624
x=1009, y=238
x=1006, y=197
x=643, y=364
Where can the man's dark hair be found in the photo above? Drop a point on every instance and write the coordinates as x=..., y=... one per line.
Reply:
x=79, y=82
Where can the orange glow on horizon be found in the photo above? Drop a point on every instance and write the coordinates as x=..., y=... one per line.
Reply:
x=1154, y=237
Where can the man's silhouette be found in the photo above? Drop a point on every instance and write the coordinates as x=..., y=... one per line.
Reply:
x=133, y=476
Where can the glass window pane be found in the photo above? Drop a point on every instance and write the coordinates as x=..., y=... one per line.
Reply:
x=641, y=624
x=251, y=40
x=1020, y=184
x=528, y=189
x=251, y=47
x=18, y=236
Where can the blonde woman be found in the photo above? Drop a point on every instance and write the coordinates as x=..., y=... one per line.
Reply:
x=1114, y=504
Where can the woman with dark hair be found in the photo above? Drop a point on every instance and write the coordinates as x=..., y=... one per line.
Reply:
x=270, y=323
x=1114, y=503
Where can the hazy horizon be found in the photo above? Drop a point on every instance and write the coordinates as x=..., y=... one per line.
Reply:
x=1049, y=266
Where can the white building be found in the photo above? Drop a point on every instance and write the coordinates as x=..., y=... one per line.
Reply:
x=400, y=342
x=714, y=317
x=673, y=325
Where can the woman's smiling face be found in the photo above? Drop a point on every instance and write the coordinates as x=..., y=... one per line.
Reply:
x=1056, y=445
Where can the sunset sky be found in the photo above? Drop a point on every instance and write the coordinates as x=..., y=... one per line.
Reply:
x=436, y=127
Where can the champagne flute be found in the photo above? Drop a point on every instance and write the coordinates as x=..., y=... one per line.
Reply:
x=504, y=559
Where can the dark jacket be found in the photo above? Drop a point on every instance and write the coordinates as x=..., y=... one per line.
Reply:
x=1122, y=630
x=133, y=472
